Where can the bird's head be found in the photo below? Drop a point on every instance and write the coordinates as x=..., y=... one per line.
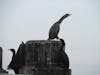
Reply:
x=13, y=50
x=66, y=15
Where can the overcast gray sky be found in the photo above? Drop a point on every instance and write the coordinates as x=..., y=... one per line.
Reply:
x=23, y=20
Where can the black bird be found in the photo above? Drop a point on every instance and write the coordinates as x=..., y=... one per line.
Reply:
x=18, y=59
x=11, y=66
x=62, y=56
x=54, y=30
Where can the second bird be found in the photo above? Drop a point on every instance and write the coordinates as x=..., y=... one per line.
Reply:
x=54, y=30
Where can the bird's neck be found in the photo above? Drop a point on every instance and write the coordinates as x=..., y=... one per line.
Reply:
x=58, y=23
x=62, y=18
x=13, y=54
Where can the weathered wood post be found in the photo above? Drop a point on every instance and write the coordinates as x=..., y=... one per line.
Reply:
x=0, y=58
x=41, y=58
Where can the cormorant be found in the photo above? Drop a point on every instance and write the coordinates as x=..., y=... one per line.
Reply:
x=11, y=66
x=62, y=56
x=18, y=59
x=54, y=30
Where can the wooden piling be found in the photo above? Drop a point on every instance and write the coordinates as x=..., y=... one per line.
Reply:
x=41, y=58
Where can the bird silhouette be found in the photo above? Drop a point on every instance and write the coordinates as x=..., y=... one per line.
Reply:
x=18, y=59
x=62, y=56
x=54, y=30
x=11, y=66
